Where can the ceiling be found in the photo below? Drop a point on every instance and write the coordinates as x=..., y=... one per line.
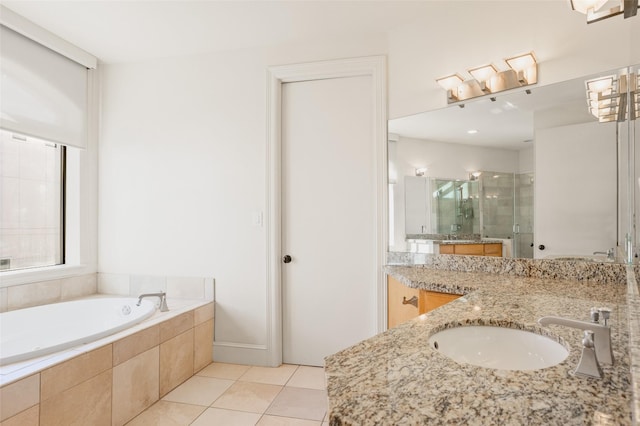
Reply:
x=126, y=31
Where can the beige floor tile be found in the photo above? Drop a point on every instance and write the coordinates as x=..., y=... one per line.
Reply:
x=308, y=377
x=199, y=390
x=267, y=420
x=165, y=413
x=245, y=396
x=310, y=404
x=269, y=375
x=221, y=370
x=219, y=417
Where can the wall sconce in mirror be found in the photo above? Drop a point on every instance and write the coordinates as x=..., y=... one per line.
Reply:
x=610, y=97
x=421, y=171
x=474, y=175
x=487, y=79
x=591, y=8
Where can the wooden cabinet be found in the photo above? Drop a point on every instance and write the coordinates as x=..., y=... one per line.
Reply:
x=400, y=302
x=493, y=249
x=405, y=303
x=486, y=249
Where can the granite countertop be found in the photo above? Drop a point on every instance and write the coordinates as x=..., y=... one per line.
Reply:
x=396, y=378
x=448, y=242
x=458, y=241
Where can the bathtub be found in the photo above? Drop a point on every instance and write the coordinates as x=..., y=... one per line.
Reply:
x=42, y=330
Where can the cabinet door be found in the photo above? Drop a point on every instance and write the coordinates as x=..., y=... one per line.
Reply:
x=494, y=249
x=397, y=311
x=431, y=300
x=471, y=249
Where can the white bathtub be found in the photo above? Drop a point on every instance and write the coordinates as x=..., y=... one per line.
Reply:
x=41, y=330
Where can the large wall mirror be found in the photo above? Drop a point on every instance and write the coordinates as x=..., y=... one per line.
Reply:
x=534, y=170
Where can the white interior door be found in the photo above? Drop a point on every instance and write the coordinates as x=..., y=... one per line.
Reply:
x=328, y=217
x=576, y=156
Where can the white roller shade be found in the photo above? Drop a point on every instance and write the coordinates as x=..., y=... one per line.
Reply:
x=42, y=93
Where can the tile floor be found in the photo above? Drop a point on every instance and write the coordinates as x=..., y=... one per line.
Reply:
x=238, y=395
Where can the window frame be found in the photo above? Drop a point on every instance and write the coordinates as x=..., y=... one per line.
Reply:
x=81, y=172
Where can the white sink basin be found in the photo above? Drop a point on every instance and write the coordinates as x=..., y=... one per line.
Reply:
x=498, y=347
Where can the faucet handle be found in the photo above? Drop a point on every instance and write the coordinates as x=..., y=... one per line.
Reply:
x=595, y=315
x=606, y=314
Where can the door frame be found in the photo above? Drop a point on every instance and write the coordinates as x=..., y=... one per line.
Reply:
x=376, y=67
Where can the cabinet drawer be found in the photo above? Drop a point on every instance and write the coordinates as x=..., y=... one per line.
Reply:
x=472, y=249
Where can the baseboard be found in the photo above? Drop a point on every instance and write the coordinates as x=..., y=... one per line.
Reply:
x=241, y=353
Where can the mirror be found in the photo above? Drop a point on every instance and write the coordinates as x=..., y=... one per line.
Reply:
x=533, y=170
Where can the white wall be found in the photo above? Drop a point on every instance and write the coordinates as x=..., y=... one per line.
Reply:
x=182, y=174
x=182, y=154
x=465, y=34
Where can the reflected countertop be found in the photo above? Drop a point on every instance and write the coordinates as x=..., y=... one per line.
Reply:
x=396, y=378
x=448, y=239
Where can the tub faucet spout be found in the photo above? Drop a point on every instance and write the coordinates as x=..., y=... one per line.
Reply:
x=163, y=300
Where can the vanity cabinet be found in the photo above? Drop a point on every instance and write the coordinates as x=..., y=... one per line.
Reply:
x=405, y=303
x=486, y=249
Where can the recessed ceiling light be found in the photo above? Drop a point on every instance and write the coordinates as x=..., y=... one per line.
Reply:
x=472, y=131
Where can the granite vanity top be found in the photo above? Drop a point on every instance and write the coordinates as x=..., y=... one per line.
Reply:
x=464, y=239
x=446, y=242
x=396, y=378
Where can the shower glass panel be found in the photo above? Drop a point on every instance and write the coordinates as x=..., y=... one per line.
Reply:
x=507, y=209
x=498, y=204
x=523, y=212
x=455, y=207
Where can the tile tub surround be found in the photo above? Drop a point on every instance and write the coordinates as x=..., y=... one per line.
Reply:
x=395, y=378
x=45, y=292
x=112, y=380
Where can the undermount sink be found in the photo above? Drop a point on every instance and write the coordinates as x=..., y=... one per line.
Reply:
x=498, y=347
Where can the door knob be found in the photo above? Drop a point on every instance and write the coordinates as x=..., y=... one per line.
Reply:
x=286, y=259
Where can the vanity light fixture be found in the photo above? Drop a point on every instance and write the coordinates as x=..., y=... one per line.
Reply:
x=609, y=97
x=483, y=76
x=421, y=171
x=591, y=8
x=450, y=83
x=487, y=79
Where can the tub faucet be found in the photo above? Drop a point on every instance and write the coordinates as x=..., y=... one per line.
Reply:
x=163, y=300
x=601, y=333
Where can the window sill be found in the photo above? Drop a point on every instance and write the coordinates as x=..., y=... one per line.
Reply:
x=26, y=276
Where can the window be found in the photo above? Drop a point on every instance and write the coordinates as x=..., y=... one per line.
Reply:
x=32, y=173
x=48, y=178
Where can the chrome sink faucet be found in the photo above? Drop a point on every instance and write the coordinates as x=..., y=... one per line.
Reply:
x=163, y=300
x=610, y=253
x=596, y=342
